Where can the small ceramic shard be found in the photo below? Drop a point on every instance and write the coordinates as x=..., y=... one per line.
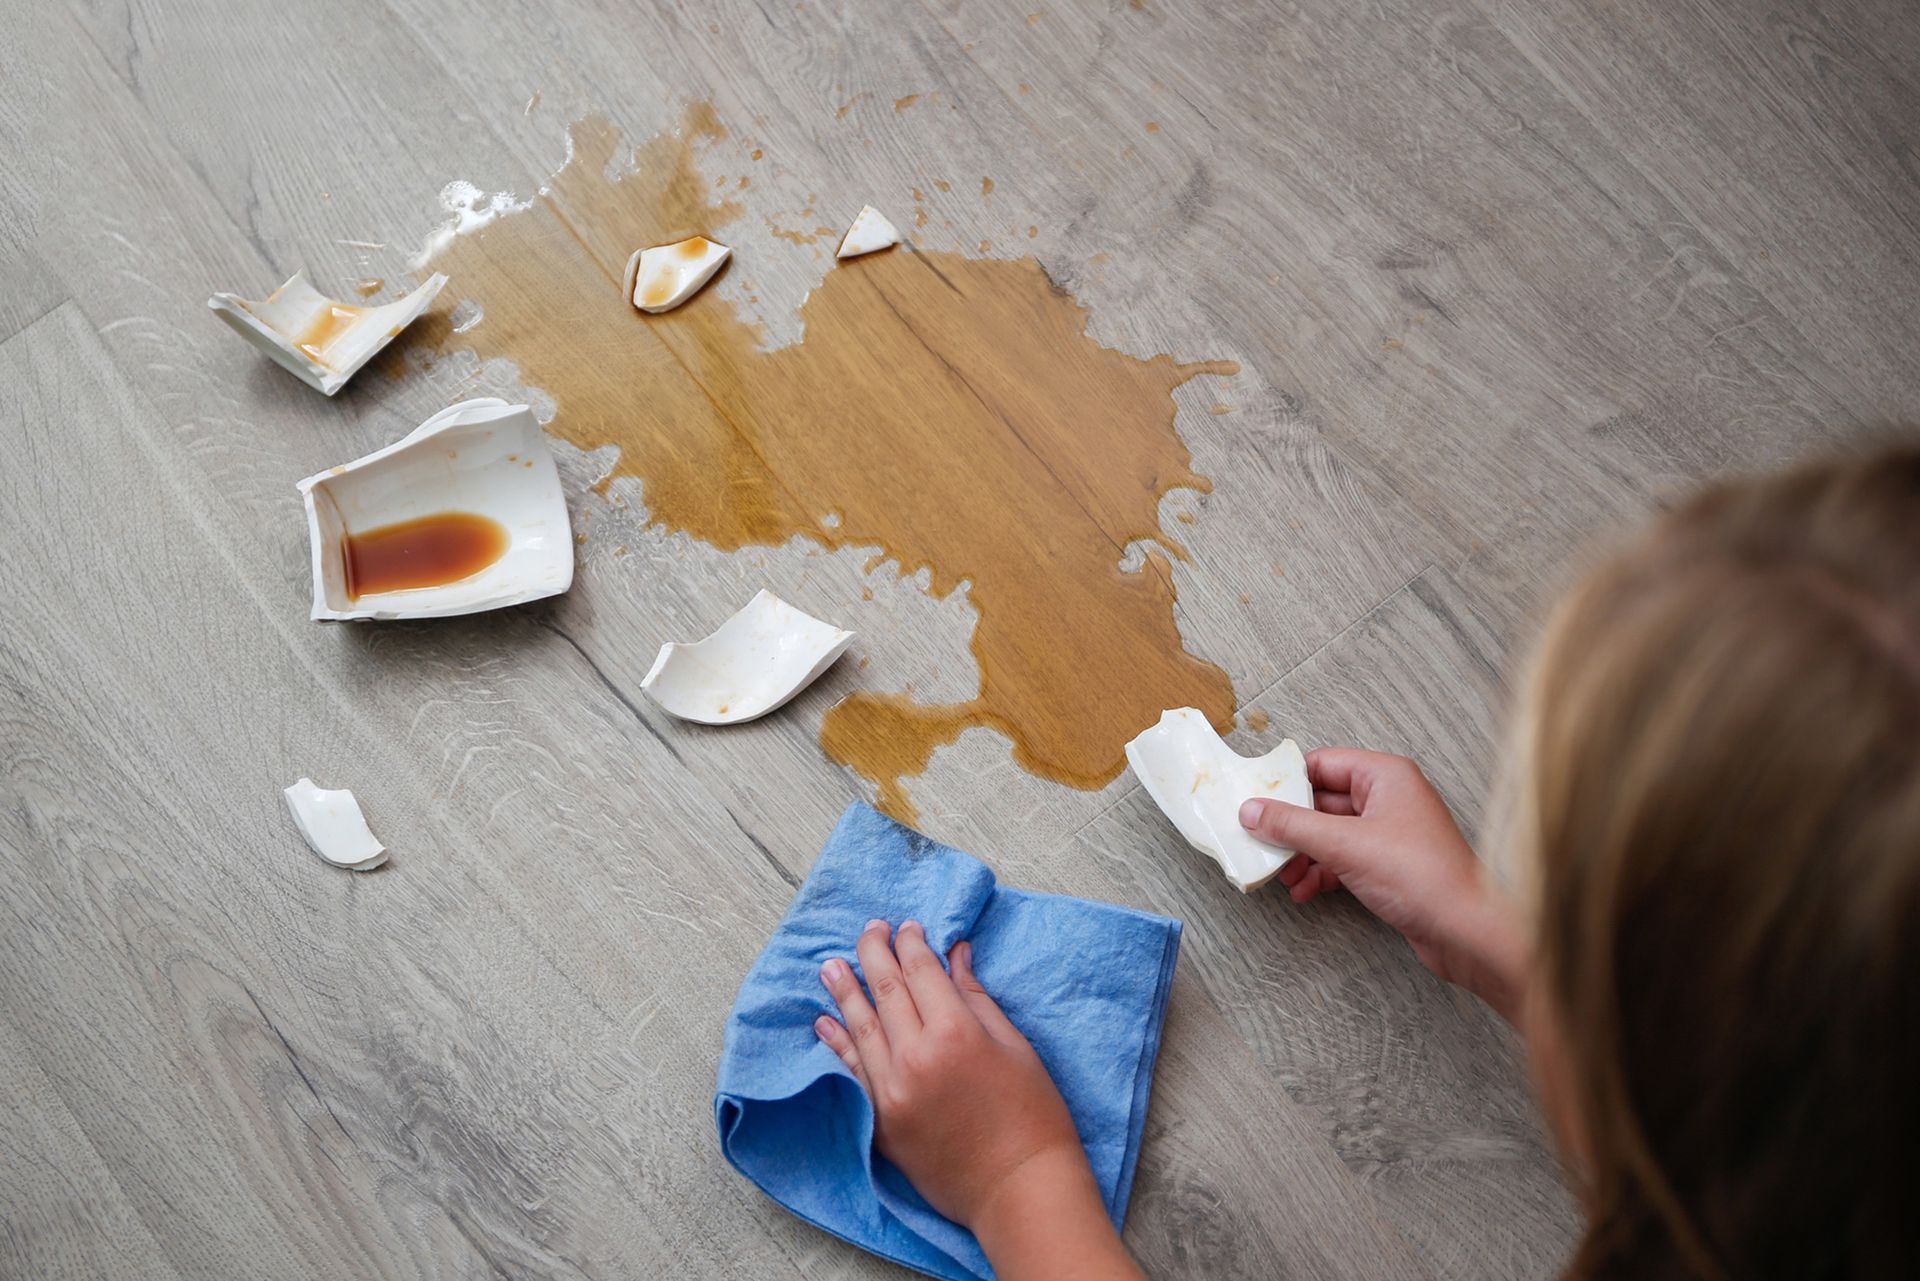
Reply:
x=333, y=825
x=1200, y=783
x=869, y=233
x=481, y=457
x=755, y=662
x=661, y=278
x=322, y=341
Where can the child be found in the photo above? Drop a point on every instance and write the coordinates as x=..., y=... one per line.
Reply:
x=1715, y=817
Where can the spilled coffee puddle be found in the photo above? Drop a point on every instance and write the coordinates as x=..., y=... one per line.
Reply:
x=949, y=411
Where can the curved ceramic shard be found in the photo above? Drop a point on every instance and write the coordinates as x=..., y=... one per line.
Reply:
x=321, y=340
x=755, y=662
x=483, y=457
x=334, y=826
x=869, y=233
x=1200, y=783
x=661, y=278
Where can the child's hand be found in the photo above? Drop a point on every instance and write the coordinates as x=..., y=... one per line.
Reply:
x=1381, y=832
x=966, y=1110
x=960, y=1099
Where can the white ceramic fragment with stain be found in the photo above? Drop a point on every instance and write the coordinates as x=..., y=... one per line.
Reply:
x=321, y=340
x=757, y=660
x=661, y=278
x=485, y=457
x=869, y=233
x=333, y=825
x=1200, y=783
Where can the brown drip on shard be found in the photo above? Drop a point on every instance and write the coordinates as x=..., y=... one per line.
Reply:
x=326, y=328
x=950, y=411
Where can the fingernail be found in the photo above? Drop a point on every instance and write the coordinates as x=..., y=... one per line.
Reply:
x=832, y=970
x=965, y=950
x=822, y=1027
x=1250, y=812
x=912, y=925
x=876, y=923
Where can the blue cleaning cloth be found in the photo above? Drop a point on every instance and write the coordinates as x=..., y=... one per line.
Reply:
x=1085, y=982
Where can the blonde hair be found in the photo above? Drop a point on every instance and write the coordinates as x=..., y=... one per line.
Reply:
x=1720, y=786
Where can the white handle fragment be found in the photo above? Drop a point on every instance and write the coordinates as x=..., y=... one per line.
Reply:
x=334, y=827
x=1200, y=783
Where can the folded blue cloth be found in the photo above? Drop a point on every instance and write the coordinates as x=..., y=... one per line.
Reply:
x=1085, y=982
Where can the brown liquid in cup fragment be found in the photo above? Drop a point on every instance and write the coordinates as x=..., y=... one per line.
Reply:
x=951, y=412
x=427, y=551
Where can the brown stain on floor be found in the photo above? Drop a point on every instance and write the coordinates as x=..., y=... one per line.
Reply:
x=950, y=411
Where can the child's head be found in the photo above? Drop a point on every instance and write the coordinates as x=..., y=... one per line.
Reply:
x=1721, y=797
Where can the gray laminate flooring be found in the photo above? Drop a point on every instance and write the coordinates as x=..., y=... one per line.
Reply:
x=1501, y=275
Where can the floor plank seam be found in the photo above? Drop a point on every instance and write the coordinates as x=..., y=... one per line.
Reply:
x=1334, y=639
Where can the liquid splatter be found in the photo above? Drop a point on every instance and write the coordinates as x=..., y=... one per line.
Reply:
x=1023, y=463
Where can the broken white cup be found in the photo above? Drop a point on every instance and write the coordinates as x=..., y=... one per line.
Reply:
x=869, y=233
x=333, y=825
x=482, y=456
x=1200, y=783
x=321, y=340
x=753, y=663
x=661, y=278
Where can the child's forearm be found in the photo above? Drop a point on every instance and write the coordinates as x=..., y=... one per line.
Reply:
x=1048, y=1224
x=1490, y=947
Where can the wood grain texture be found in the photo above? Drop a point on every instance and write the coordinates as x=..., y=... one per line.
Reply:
x=67, y=1216
x=1500, y=277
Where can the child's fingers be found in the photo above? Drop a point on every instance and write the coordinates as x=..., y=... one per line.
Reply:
x=829, y=1030
x=1319, y=879
x=984, y=1008
x=1307, y=886
x=866, y=1037
x=1321, y=837
x=1306, y=879
x=1333, y=768
x=1353, y=771
x=1333, y=802
x=934, y=995
x=889, y=987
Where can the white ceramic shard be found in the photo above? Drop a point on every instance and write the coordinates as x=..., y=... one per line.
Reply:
x=334, y=826
x=1200, y=783
x=754, y=662
x=661, y=278
x=320, y=340
x=870, y=232
x=482, y=456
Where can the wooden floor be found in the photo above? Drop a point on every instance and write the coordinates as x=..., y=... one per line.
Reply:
x=1500, y=274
